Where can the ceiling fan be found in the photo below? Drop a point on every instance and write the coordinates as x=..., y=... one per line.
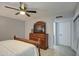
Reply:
x=22, y=9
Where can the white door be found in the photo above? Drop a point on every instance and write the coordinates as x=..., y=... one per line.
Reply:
x=76, y=35
x=63, y=33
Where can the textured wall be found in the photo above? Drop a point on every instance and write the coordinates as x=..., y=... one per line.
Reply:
x=10, y=27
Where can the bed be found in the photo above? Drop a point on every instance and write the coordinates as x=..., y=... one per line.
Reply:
x=19, y=47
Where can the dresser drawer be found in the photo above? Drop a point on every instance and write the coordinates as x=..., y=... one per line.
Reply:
x=42, y=36
x=43, y=39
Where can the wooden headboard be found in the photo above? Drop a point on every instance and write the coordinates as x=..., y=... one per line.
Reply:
x=36, y=43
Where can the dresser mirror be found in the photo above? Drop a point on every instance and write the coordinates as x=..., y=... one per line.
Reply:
x=39, y=27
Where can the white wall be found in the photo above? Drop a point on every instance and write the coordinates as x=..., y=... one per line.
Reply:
x=10, y=27
x=76, y=11
x=49, y=29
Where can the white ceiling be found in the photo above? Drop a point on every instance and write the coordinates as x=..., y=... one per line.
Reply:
x=44, y=9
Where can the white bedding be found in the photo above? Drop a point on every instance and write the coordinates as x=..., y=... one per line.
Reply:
x=17, y=48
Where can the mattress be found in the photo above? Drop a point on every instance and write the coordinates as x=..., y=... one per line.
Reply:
x=17, y=48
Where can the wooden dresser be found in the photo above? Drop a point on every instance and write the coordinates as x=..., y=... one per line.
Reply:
x=39, y=32
x=43, y=39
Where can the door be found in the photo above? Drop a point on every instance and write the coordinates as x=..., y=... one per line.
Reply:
x=63, y=33
x=76, y=35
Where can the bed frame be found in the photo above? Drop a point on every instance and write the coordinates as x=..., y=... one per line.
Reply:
x=36, y=43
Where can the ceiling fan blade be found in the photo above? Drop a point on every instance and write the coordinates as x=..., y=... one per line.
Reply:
x=31, y=11
x=27, y=14
x=11, y=8
x=17, y=13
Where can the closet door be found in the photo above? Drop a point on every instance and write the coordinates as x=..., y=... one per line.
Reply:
x=76, y=34
x=63, y=32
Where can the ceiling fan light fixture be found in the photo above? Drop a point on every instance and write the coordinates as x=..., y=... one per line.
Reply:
x=22, y=12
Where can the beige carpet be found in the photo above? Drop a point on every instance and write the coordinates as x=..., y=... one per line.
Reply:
x=58, y=51
x=49, y=52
